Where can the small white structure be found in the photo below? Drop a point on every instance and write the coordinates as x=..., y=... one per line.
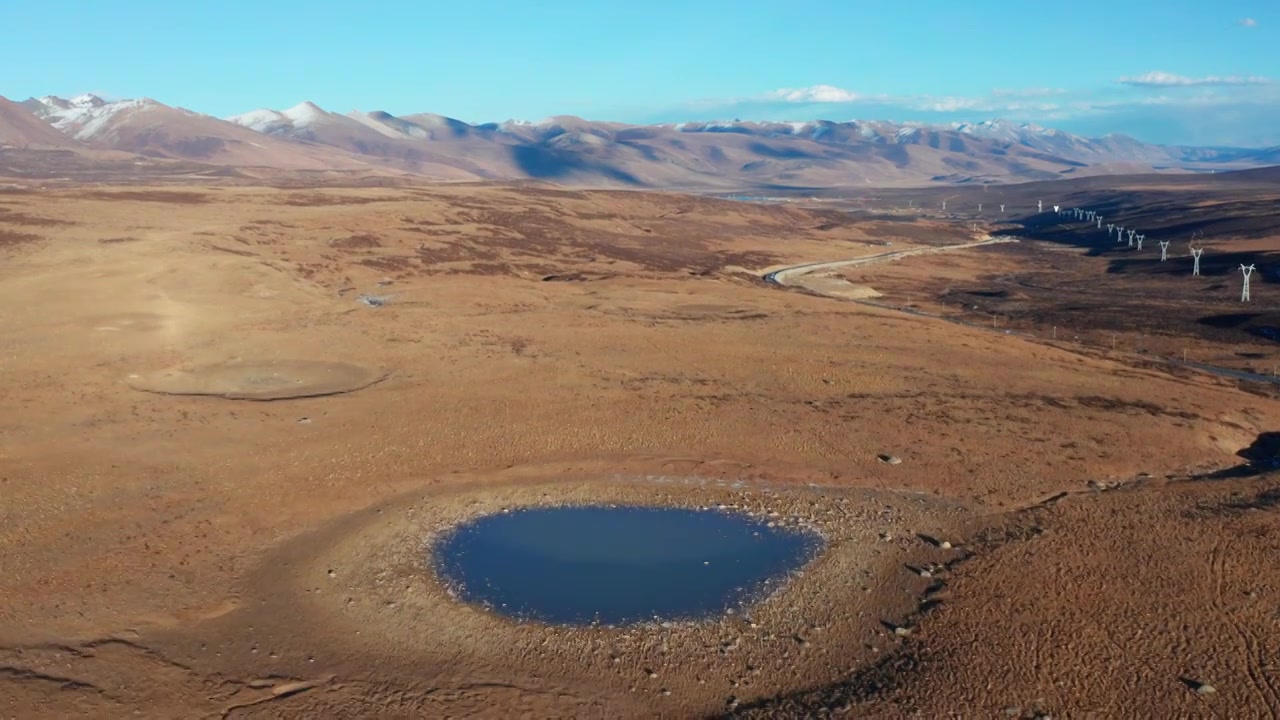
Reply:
x=1140, y=238
x=1001, y=208
x=1195, y=254
x=1244, y=289
x=1131, y=234
x=1057, y=209
x=1039, y=206
x=1099, y=219
x=944, y=204
x=1164, y=250
x=1110, y=227
x=979, y=207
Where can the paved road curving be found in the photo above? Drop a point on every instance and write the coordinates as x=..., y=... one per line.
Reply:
x=785, y=276
x=791, y=277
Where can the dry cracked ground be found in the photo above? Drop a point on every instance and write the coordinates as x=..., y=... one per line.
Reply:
x=233, y=417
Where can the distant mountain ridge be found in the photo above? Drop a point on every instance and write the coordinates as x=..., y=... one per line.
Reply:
x=687, y=155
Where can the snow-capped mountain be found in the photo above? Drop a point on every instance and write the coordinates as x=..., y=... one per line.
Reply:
x=300, y=118
x=703, y=154
x=408, y=143
x=20, y=128
x=1001, y=130
x=147, y=127
x=85, y=117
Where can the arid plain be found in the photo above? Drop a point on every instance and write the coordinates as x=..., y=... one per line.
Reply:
x=180, y=538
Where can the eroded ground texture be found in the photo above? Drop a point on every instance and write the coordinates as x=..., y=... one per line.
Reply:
x=233, y=418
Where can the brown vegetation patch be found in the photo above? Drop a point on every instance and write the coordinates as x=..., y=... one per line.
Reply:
x=420, y=222
x=115, y=240
x=927, y=234
x=10, y=238
x=176, y=197
x=356, y=242
x=321, y=199
x=10, y=217
x=393, y=263
x=455, y=253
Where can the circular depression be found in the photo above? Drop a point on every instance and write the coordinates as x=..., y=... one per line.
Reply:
x=616, y=565
x=362, y=590
x=262, y=379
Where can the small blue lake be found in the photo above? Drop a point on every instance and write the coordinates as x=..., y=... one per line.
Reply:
x=618, y=565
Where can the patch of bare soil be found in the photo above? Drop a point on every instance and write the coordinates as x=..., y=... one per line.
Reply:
x=1110, y=603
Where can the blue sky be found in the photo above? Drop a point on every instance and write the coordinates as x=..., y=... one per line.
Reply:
x=1189, y=71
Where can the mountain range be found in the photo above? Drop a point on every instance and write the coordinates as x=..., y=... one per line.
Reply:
x=570, y=150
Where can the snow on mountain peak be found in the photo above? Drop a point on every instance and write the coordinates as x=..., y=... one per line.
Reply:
x=513, y=126
x=301, y=116
x=87, y=100
x=305, y=113
x=85, y=117
x=384, y=123
x=264, y=121
x=53, y=103
x=1003, y=130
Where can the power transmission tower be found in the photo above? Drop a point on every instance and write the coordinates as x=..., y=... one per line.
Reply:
x=1244, y=289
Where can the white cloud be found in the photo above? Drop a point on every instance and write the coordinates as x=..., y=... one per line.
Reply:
x=1028, y=92
x=815, y=94
x=1164, y=79
x=997, y=101
x=1163, y=105
x=945, y=104
x=1008, y=103
x=1249, y=22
